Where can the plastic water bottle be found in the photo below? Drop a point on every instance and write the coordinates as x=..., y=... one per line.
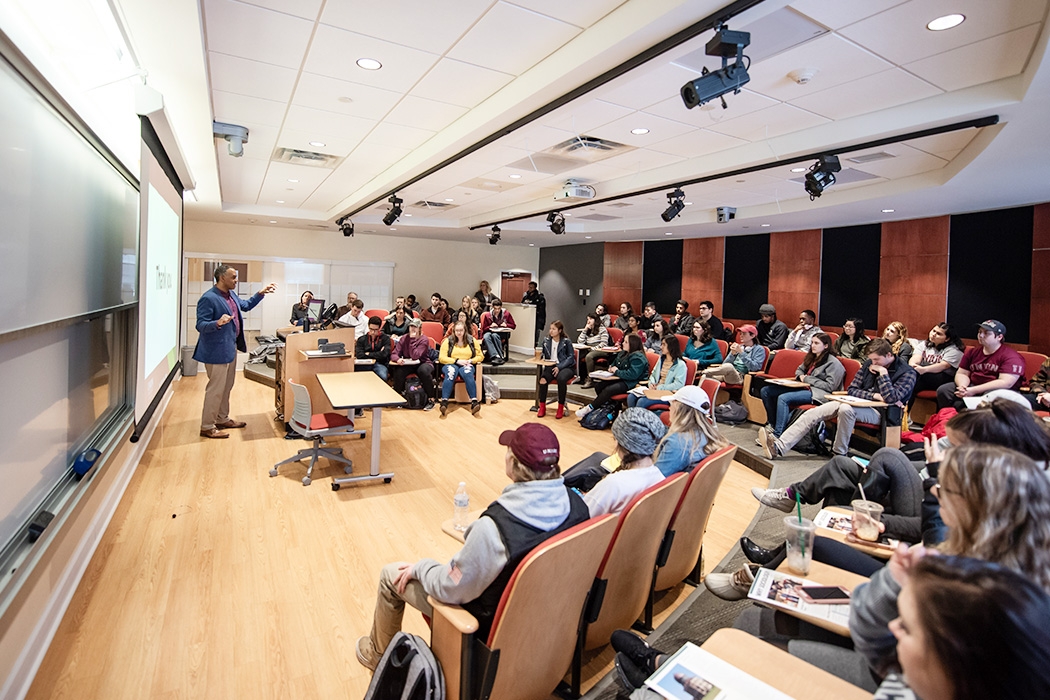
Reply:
x=461, y=505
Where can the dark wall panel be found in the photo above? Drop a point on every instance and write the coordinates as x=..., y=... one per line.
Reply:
x=746, y=280
x=662, y=273
x=564, y=271
x=849, y=275
x=989, y=271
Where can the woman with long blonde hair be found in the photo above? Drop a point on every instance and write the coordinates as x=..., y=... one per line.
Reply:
x=692, y=435
x=459, y=353
x=897, y=334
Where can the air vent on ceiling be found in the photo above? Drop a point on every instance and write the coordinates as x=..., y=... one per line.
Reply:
x=326, y=227
x=571, y=153
x=619, y=205
x=871, y=157
x=598, y=217
x=298, y=157
x=427, y=204
x=587, y=147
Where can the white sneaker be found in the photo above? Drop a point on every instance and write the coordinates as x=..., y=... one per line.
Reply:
x=580, y=413
x=734, y=586
x=774, y=498
x=768, y=441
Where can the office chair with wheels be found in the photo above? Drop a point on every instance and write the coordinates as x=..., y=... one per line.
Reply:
x=316, y=427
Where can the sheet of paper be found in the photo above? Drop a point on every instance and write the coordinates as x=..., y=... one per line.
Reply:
x=709, y=676
x=780, y=590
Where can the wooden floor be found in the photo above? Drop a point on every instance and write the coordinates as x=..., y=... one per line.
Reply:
x=215, y=580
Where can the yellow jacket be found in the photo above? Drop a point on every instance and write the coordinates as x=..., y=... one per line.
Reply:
x=459, y=352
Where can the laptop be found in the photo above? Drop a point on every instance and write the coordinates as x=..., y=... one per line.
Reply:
x=314, y=309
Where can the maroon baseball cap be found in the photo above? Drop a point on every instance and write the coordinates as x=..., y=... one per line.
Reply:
x=535, y=446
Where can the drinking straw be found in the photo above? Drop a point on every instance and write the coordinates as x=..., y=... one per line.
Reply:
x=801, y=536
x=861, y=487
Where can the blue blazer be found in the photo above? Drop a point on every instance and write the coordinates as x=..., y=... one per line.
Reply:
x=219, y=346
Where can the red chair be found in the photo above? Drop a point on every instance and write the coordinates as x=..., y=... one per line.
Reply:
x=682, y=340
x=381, y=313
x=653, y=358
x=434, y=331
x=615, y=335
x=1033, y=361
x=723, y=347
x=710, y=386
x=316, y=426
x=782, y=366
x=834, y=336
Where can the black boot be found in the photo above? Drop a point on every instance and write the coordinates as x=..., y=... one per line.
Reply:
x=759, y=555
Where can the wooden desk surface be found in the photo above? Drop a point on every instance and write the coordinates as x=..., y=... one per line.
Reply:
x=778, y=668
x=788, y=383
x=858, y=402
x=657, y=393
x=880, y=552
x=536, y=361
x=825, y=575
x=354, y=389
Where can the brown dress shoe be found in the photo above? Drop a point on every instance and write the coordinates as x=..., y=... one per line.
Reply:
x=214, y=433
x=231, y=424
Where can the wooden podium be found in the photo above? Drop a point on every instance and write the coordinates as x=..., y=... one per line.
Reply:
x=292, y=363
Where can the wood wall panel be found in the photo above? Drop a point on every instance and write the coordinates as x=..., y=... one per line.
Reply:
x=703, y=262
x=623, y=275
x=794, y=273
x=1039, y=316
x=913, y=278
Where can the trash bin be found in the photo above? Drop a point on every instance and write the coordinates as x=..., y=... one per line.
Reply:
x=189, y=365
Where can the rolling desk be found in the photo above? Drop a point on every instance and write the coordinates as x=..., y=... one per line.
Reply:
x=347, y=390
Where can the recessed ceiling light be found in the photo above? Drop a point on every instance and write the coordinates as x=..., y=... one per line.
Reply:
x=273, y=221
x=765, y=225
x=798, y=170
x=449, y=199
x=408, y=215
x=533, y=245
x=318, y=144
x=291, y=180
x=345, y=99
x=280, y=201
x=887, y=211
x=515, y=177
x=588, y=237
x=568, y=214
x=945, y=22
x=689, y=204
x=639, y=131
x=369, y=63
x=668, y=233
x=393, y=229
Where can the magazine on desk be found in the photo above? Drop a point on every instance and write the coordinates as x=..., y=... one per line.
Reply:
x=708, y=677
x=779, y=590
x=843, y=522
x=601, y=374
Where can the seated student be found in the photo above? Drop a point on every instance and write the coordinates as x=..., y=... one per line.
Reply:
x=593, y=335
x=399, y=303
x=1039, y=395
x=396, y=324
x=626, y=310
x=558, y=348
x=629, y=368
x=772, y=332
x=492, y=322
x=484, y=296
x=301, y=311
x=649, y=316
x=436, y=312
x=744, y=357
x=637, y=433
x=458, y=354
x=634, y=326
x=466, y=307
x=351, y=297
x=852, y=342
x=702, y=347
x=413, y=346
x=682, y=321
x=654, y=337
x=602, y=314
x=355, y=318
x=692, y=435
x=475, y=311
x=471, y=327
x=668, y=374
x=412, y=305
x=937, y=360
x=800, y=335
x=374, y=345
x=534, y=507
x=882, y=377
x=989, y=366
x=897, y=334
x=820, y=369
x=706, y=312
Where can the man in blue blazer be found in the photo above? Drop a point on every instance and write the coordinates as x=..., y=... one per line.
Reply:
x=221, y=329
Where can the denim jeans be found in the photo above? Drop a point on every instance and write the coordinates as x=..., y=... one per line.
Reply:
x=382, y=370
x=494, y=344
x=448, y=384
x=642, y=402
x=779, y=400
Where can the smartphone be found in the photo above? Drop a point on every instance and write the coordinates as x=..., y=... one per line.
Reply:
x=828, y=595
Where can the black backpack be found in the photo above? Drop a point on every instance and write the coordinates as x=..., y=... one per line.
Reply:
x=731, y=411
x=414, y=394
x=602, y=417
x=812, y=443
x=407, y=671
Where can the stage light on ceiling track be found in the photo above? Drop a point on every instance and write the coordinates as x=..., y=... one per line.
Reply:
x=822, y=175
x=557, y=222
x=675, y=205
x=494, y=236
x=346, y=226
x=395, y=210
x=729, y=78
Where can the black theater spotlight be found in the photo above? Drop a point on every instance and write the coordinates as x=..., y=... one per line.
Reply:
x=395, y=210
x=822, y=175
x=729, y=78
x=494, y=236
x=346, y=226
x=557, y=222
x=675, y=205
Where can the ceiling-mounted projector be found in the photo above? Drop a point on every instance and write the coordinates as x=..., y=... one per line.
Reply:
x=574, y=190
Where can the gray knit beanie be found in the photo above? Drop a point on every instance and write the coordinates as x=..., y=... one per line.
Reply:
x=638, y=430
x=767, y=310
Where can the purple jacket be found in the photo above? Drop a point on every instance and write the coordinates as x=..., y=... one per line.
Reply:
x=412, y=349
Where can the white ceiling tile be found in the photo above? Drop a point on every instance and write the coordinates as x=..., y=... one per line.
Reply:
x=307, y=9
x=460, y=83
x=908, y=161
x=869, y=94
x=374, y=158
x=327, y=124
x=598, y=172
x=387, y=134
x=582, y=14
x=276, y=185
x=334, y=52
x=579, y=116
x=271, y=192
x=430, y=25
x=504, y=175
x=334, y=95
x=335, y=189
x=835, y=60
x=700, y=142
x=244, y=77
x=835, y=15
x=241, y=178
x=767, y=123
x=646, y=86
x=536, y=137
x=641, y=160
x=248, y=31
x=335, y=143
x=983, y=62
x=900, y=34
x=660, y=129
x=511, y=39
x=940, y=144
x=424, y=114
x=712, y=112
x=493, y=155
x=232, y=108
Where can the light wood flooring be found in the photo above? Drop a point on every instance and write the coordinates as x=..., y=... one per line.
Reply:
x=215, y=580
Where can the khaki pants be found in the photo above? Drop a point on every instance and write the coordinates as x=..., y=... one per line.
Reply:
x=390, y=606
x=217, y=395
x=725, y=372
x=846, y=415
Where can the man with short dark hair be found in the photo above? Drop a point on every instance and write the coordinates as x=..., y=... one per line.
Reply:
x=411, y=305
x=992, y=365
x=221, y=329
x=882, y=377
x=706, y=311
x=355, y=318
x=772, y=332
x=626, y=310
x=649, y=316
x=494, y=324
x=799, y=338
x=532, y=509
x=436, y=312
x=535, y=297
x=682, y=321
x=374, y=345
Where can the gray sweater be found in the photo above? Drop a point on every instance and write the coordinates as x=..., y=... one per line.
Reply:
x=824, y=379
x=872, y=606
